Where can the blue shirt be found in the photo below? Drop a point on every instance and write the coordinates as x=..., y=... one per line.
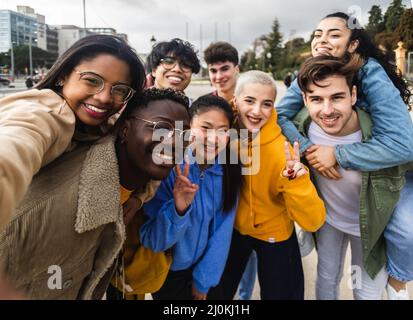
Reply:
x=200, y=237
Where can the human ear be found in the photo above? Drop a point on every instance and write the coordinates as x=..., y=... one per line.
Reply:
x=353, y=46
x=123, y=131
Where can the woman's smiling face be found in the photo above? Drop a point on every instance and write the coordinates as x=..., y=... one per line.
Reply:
x=94, y=109
x=331, y=38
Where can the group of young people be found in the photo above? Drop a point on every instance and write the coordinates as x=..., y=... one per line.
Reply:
x=124, y=190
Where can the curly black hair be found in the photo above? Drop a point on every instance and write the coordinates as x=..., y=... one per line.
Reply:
x=180, y=49
x=153, y=94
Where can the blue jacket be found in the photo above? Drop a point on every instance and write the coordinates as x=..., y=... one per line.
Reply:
x=202, y=236
x=392, y=134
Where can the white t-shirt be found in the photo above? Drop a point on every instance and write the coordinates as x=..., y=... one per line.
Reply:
x=341, y=197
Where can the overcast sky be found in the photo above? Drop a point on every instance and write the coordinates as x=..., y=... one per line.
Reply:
x=165, y=19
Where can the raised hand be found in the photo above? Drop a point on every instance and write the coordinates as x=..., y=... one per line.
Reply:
x=184, y=190
x=293, y=167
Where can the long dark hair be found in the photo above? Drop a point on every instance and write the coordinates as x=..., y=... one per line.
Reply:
x=88, y=48
x=232, y=172
x=367, y=48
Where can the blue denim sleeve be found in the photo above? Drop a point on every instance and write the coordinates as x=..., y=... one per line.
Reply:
x=164, y=226
x=209, y=269
x=287, y=109
x=392, y=134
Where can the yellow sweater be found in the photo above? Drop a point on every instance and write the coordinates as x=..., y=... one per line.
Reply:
x=270, y=203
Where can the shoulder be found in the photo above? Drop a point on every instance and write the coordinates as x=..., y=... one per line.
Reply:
x=371, y=66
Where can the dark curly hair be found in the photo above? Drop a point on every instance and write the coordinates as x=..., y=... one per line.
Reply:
x=153, y=94
x=367, y=48
x=180, y=49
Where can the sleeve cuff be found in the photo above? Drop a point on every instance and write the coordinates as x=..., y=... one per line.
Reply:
x=199, y=287
x=174, y=216
x=341, y=157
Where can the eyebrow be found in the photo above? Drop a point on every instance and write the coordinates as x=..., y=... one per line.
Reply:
x=329, y=30
x=211, y=124
x=334, y=94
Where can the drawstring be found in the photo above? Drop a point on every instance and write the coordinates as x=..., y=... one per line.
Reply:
x=250, y=179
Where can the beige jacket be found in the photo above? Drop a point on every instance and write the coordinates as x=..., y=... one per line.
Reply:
x=71, y=217
x=36, y=127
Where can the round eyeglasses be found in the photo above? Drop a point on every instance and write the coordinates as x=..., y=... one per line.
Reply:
x=164, y=130
x=170, y=62
x=92, y=83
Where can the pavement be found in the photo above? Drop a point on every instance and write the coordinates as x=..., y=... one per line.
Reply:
x=15, y=86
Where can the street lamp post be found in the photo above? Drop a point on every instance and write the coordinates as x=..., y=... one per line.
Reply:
x=269, y=55
x=152, y=41
x=12, y=61
x=30, y=55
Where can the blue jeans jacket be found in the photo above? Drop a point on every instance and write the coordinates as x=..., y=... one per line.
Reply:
x=392, y=141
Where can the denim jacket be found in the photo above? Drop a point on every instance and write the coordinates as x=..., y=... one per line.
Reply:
x=391, y=143
x=379, y=194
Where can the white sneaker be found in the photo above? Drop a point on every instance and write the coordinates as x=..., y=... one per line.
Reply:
x=392, y=294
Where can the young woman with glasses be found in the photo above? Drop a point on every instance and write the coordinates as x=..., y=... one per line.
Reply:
x=90, y=82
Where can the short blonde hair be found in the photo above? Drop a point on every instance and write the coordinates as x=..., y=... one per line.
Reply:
x=254, y=76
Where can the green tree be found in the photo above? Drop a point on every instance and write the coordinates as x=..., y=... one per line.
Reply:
x=248, y=61
x=393, y=15
x=274, y=40
x=40, y=58
x=405, y=29
x=376, y=21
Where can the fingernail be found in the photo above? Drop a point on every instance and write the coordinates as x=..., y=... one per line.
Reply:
x=289, y=171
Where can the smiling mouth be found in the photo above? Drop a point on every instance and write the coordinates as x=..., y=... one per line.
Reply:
x=329, y=120
x=323, y=49
x=254, y=120
x=95, y=111
x=174, y=79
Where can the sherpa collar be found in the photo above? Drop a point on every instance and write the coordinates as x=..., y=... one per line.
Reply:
x=99, y=187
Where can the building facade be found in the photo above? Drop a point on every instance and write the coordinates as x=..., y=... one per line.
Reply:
x=16, y=29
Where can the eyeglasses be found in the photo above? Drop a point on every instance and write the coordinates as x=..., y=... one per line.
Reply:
x=92, y=83
x=170, y=62
x=166, y=130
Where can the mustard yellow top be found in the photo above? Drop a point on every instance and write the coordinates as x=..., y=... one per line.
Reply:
x=270, y=203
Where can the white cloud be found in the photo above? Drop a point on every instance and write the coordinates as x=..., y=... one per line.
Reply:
x=141, y=19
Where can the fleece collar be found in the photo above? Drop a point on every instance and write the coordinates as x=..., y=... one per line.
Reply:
x=99, y=188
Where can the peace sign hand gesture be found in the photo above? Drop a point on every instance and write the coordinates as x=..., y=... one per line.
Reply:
x=184, y=190
x=293, y=167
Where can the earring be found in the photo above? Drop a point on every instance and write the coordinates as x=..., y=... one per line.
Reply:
x=59, y=83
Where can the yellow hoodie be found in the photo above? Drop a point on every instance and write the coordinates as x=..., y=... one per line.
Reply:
x=270, y=203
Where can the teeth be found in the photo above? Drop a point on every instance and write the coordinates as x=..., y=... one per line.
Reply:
x=95, y=109
x=164, y=157
x=254, y=120
x=176, y=79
